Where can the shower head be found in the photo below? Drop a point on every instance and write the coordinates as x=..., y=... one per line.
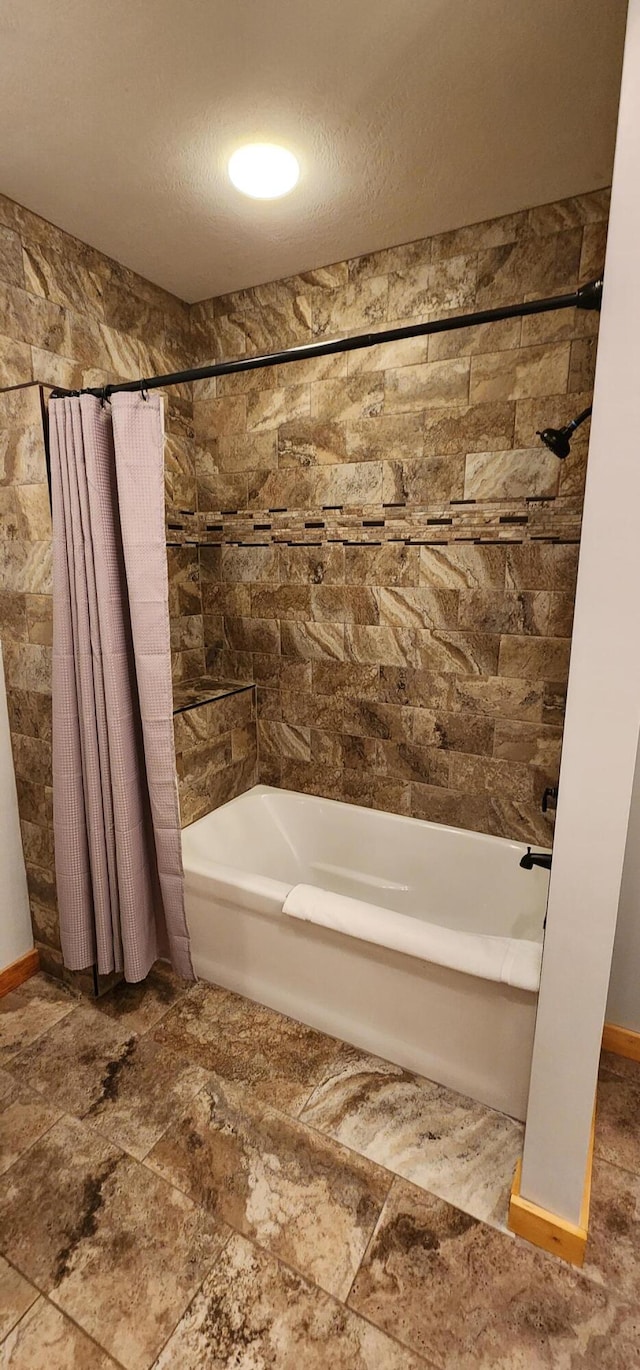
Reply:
x=558, y=439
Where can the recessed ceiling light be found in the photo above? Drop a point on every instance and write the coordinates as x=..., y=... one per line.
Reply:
x=263, y=170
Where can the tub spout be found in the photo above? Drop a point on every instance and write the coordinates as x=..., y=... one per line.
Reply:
x=531, y=859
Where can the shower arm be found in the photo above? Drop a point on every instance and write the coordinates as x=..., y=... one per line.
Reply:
x=587, y=297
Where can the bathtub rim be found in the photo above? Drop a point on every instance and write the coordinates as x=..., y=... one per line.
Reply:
x=498, y=959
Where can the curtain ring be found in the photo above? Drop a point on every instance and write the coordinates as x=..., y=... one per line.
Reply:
x=143, y=391
x=104, y=396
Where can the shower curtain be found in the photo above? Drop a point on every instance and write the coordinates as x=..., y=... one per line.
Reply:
x=115, y=802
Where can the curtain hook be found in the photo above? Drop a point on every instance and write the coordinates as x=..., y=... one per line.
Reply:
x=104, y=396
x=143, y=390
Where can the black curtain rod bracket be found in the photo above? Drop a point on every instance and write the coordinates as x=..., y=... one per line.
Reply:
x=588, y=296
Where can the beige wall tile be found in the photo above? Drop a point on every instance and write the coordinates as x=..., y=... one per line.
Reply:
x=511, y=475
x=359, y=397
x=434, y=385
x=519, y=374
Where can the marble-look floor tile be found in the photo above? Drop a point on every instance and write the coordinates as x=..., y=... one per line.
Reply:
x=470, y=1298
x=46, y=1340
x=613, y=1246
x=113, y=1246
x=16, y=1296
x=127, y=1087
x=29, y=1010
x=139, y=1007
x=279, y=1059
x=252, y=1313
x=448, y=1144
x=303, y=1197
x=24, y=1116
x=617, y=1137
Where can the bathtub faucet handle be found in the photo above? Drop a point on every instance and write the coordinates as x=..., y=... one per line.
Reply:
x=549, y=798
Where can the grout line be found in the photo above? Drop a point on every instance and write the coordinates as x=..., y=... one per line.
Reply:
x=195, y=1294
x=372, y=1238
x=42, y=1294
x=341, y=1303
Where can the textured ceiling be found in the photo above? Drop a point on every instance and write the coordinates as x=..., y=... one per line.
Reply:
x=409, y=117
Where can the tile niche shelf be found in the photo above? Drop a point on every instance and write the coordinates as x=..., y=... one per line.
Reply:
x=189, y=694
x=214, y=724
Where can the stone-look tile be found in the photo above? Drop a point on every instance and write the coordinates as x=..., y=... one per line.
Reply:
x=438, y=804
x=530, y=266
x=386, y=565
x=582, y=366
x=458, y=732
x=347, y=401
x=506, y=611
x=479, y=427
x=531, y=658
x=433, y=385
x=29, y=1011
x=465, y=342
x=307, y=1200
x=211, y=791
x=465, y=1296
x=276, y=739
x=463, y=653
x=511, y=780
x=511, y=475
x=114, y=1247
x=457, y=1149
x=537, y=743
x=139, y=1007
x=310, y=442
x=249, y=563
x=278, y=1059
x=427, y=480
x=252, y=1310
x=408, y=761
x=313, y=641
x=386, y=435
x=613, y=1247
x=553, y=410
x=534, y=567
x=15, y=362
x=126, y=1086
x=24, y=1117
x=519, y=374
x=462, y=567
x=16, y=1296
x=423, y=607
x=387, y=356
x=594, y=241
x=617, y=1139
x=45, y=1338
x=267, y=409
x=574, y=212
x=421, y=288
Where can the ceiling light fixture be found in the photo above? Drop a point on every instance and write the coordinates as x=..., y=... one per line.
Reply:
x=264, y=171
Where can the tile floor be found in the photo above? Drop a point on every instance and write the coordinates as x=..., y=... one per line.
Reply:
x=189, y=1181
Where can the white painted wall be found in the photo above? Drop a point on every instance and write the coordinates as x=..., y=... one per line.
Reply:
x=623, y=1004
x=602, y=719
x=16, y=937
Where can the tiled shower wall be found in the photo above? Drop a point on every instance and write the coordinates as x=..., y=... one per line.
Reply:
x=398, y=574
x=68, y=316
x=399, y=551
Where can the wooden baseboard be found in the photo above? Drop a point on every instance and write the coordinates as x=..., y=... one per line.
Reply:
x=548, y=1230
x=621, y=1041
x=18, y=971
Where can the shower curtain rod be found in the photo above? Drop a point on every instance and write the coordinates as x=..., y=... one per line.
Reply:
x=587, y=297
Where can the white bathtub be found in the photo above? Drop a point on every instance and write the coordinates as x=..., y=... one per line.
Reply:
x=434, y=959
